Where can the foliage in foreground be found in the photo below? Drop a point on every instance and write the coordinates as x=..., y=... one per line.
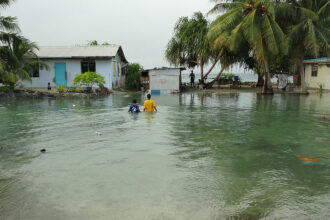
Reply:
x=133, y=71
x=88, y=79
x=17, y=54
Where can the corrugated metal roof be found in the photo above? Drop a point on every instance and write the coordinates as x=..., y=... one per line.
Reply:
x=318, y=60
x=166, y=68
x=80, y=51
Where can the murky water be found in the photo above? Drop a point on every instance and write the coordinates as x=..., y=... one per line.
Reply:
x=200, y=157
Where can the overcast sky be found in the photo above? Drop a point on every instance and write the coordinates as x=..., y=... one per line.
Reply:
x=141, y=27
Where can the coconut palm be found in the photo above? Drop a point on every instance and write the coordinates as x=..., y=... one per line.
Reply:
x=7, y=23
x=189, y=45
x=252, y=23
x=19, y=59
x=8, y=26
x=308, y=29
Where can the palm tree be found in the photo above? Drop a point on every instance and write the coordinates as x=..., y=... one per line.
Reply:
x=308, y=29
x=189, y=45
x=8, y=26
x=250, y=22
x=7, y=23
x=19, y=59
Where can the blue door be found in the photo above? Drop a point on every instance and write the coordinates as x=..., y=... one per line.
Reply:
x=60, y=74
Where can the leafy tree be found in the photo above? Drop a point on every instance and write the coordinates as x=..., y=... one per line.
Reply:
x=88, y=79
x=133, y=71
x=189, y=44
x=252, y=23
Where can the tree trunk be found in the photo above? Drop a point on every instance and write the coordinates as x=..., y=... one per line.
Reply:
x=260, y=82
x=210, y=84
x=267, y=88
x=208, y=72
x=202, y=72
x=302, y=75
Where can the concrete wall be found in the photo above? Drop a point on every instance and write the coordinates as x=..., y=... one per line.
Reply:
x=323, y=76
x=110, y=69
x=167, y=79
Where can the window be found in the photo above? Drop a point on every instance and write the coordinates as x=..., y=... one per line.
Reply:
x=88, y=66
x=35, y=73
x=314, y=70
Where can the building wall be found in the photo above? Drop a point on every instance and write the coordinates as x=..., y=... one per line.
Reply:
x=323, y=76
x=166, y=80
x=73, y=67
x=116, y=72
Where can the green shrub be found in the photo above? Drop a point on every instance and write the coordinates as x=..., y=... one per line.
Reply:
x=229, y=76
x=4, y=88
x=74, y=89
x=321, y=88
x=133, y=71
x=88, y=79
x=60, y=88
x=9, y=80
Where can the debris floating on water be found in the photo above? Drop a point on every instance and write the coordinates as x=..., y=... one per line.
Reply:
x=98, y=133
x=43, y=150
x=308, y=159
x=324, y=118
x=74, y=105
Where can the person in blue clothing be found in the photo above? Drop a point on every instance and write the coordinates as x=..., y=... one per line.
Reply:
x=134, y=108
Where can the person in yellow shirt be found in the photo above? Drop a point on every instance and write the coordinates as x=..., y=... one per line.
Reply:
x=149, y=105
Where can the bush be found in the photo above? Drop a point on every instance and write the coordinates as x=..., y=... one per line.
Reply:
x=74, y=89
x=9, y=80
x=133, y=71
x=4, y=88
x=88, y=79
x=60, y=88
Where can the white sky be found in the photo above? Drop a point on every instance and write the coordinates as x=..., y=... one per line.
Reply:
x=141, y=27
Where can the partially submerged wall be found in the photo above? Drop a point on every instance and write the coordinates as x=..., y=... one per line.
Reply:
x=164, y=81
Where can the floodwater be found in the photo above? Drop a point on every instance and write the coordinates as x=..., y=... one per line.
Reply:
x=202, y=156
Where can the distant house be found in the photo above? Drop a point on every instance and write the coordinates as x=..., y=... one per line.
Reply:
x=317, y=72
x=65, y=62
x=162, y=80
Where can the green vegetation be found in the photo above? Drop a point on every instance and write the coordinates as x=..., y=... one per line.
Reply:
x=60, y=88
x=321, y=88
x=17, y=54
x=95, y=43
x=88, y=79
x=262, y=35
x=4, y=88
x=74, y=89
x=133, y=71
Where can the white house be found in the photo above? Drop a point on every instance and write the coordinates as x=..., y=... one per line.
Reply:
x=65, y=62
x=317, y=72
x=164, y=80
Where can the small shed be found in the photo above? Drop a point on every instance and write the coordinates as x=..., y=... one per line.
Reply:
x=163, y=80
x=317, y=72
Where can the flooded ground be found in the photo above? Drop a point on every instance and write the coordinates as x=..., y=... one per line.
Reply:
x=202, y=156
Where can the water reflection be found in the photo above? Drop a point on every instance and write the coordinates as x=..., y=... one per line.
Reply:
x=202, y=156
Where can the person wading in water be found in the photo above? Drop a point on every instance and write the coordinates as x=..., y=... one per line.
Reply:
x=149, y=105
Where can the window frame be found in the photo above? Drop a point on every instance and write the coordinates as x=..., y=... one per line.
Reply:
x=314, y=70
x=35, y=73
x=91, y=66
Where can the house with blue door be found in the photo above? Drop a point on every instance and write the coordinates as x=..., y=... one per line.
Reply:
x=65, y=62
